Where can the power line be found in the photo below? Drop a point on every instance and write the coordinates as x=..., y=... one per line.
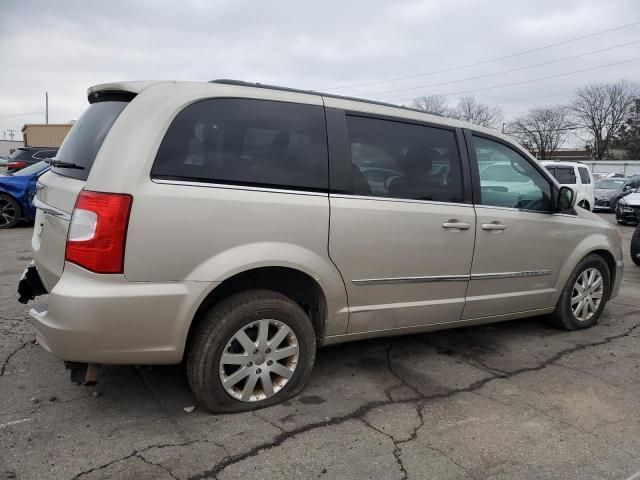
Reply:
x=533, y=79
x=482, y=62
x=487, y=75
x=22, y=114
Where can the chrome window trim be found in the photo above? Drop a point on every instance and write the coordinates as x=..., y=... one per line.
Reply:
x=522, y=210
x=394, y=199
x=225, y=186
x=450, y=278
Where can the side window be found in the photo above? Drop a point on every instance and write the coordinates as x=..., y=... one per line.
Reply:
x=401, y=160
x=564, y=175
x=584, y=175
x=247, y=142
x=507, y=179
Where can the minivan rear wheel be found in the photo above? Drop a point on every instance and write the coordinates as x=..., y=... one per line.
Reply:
x=584, y=296
x=252, y=350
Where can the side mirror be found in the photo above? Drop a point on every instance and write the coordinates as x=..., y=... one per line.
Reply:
x=566, y=199
x=626, y=188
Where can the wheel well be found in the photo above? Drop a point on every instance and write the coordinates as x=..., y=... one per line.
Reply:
x=611, y=263
x=298, y=286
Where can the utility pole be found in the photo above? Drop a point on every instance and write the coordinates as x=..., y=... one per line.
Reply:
x=46, y=107
x=12, y=132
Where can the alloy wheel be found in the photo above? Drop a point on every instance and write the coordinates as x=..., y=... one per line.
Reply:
x=587, y=294
x=8, y=212
x=259, y=360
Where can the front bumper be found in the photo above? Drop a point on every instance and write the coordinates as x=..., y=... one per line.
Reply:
x=602, y=204
x=92, y=318
x=628, y=214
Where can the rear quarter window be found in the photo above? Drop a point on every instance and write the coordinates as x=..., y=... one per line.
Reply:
x=246, y=142
x=584, y=175
x=84, y=140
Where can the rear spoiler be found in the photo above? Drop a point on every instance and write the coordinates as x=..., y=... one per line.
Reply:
x=119, y=91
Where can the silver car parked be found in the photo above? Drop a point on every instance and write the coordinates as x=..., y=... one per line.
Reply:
x=238, y=227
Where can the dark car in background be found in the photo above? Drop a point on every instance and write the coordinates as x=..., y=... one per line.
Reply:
x=630, y=185
x=609, y=191
x=606, y=189
x=16, y=194
x=25, y=156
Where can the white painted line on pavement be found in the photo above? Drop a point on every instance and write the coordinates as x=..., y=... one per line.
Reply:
x=15, y=422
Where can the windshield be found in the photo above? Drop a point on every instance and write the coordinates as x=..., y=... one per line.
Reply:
x=32, y=169
x=502, y=173
x=85, y=138
x=610, y=184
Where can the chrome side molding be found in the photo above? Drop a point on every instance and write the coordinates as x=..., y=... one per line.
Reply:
x=526, y=273
x=48, y=209
x=450, y=278
x=427, y=279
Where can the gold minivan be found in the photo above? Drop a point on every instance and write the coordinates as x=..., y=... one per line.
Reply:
x=237, y=227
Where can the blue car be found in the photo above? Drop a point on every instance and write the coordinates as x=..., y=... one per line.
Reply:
x=16, y=194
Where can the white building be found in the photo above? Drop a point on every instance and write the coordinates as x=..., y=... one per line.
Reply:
x=8, y=146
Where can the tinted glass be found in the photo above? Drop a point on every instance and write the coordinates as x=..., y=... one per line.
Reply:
x=507, y=179
x=85, y=138
x=247, y=142
x=20, y=154
x=400, y=160
x=564, y=175
x=584, y=175
x=31, y=169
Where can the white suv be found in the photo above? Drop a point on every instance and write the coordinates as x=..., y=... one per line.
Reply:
x=577, y=177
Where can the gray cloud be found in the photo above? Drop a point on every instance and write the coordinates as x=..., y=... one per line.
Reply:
x=64, y=47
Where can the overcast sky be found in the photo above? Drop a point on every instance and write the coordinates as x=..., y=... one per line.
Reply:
x=64, y=47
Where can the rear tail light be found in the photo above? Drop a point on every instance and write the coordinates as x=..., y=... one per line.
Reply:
x=98, y=231
x=16, y=165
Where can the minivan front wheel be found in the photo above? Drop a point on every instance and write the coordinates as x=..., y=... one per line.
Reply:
x=252, y=350
x=585, y=294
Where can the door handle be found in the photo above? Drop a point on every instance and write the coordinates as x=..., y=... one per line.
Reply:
x=456, y=225
x=493, y=226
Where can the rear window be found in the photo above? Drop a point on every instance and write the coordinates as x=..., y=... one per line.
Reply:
x=84, y=140
x=247, y=142
x=21, y=154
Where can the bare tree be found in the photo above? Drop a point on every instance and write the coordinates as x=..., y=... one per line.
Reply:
x=543, y=130
x=601, y=109
x=432, y=104
x=474, y=111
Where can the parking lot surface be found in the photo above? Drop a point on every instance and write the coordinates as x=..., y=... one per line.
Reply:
x=511, y=400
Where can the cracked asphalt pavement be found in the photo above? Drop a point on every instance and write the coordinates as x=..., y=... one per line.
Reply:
x=514, y=400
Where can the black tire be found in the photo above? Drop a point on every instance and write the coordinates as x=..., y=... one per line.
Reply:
x=221, y=323
x=584, y=204
x=634, y=249
x=563, y=316
x=10, y=211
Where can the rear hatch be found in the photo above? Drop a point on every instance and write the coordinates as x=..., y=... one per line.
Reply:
x=58, y=189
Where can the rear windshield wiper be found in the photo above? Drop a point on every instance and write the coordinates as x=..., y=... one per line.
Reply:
x=62, y=164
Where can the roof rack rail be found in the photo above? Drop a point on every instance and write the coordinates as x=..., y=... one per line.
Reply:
x=241, y=83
